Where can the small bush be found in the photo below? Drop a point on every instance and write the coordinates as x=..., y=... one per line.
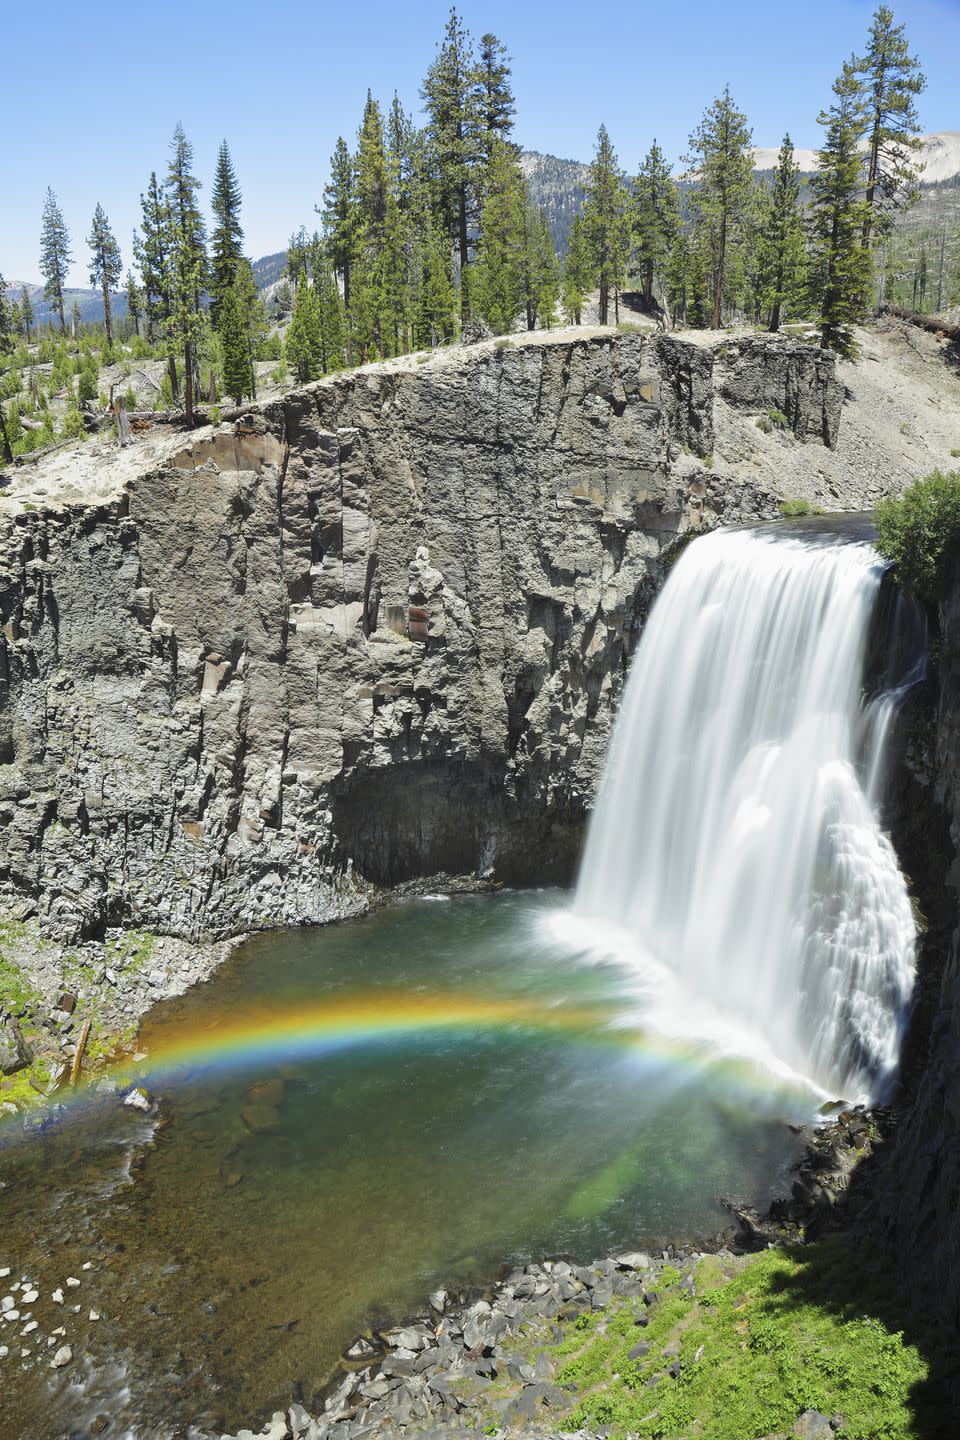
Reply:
x=778, y=419
x=800, y=507
x=955, y=454
x=130, y=398
x=920, y=533
x=764, y=424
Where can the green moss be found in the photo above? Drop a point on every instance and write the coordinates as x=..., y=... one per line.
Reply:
x=18, y=993
x=776, y=1338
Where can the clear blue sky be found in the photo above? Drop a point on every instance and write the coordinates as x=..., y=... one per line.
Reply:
x=89, y=98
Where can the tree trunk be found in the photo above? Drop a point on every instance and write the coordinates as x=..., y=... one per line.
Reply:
x=6, y=449
x=174, y=382
x=718, y=285
x=63, y=323
x=648, y=285
x=188, y=383
x=464, y=291
x=107, y=316
x=923, y=322
x=253, y=376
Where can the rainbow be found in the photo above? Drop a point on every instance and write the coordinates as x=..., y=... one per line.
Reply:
x=260, y=1037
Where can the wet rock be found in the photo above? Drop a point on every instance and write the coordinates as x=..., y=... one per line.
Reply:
x=62, y=1358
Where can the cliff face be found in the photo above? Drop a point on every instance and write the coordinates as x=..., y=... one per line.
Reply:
x=377, y=629
x=916, y=1207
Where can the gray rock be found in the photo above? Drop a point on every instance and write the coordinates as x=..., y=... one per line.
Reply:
x=811, y=1425
x=14, y=1051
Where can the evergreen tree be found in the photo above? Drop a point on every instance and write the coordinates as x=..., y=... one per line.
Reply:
x=434, y=314
x=451, y=99
x=188, y=260
x=16, y=318
x=226, y=242
x=304, y=342
x=782, y=245
x=26, y=310
x=605, y=215
x=576, y=271
x=840, y=267
x=55, y=255
x=6, y=448
x=297, y=252
x=152, y=248
x=656, y=218
x=723, y=168
x=76, y=324
x=541, y=273
x=253, y=317
x=890, y=79
x=496, y=100
x=332, y=352
x=106, y=266
x=134, y=301
x=500, y=281
x=339, y=215
x=235, y=343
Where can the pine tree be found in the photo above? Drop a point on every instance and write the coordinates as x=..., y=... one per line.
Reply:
x=500, y=288
x=840, y=267
x=235, y=343
x=16, y=318
x=188, y=259
x=541, y=275
x=152, y=249
x=890, y=79
x=76, y=323
x=55, y=255
x=434, y=315
x=6, y=448
x=134, y=301
x=576, y=271
x=496, y=101
x=26, y=310
x=106, y=265
x=605, y=215
x=339, y=215
x=784, y=254
x=226, y=242
x=451, y=99
x=723, y=169
x=332, y=352
x=656, y=218
x=304, y=342
x=253, y=316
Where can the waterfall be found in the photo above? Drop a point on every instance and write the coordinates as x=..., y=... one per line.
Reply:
x=737, y=838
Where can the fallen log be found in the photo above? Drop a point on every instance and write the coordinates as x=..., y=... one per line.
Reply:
x=934, y=323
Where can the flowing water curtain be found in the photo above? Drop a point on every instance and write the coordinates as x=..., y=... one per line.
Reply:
x=733, y=839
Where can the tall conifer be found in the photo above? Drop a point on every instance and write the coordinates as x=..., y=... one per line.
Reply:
x=451, y=97
x=656, y=218
x=840, y=269
x=226, y=241
x=188, y=259
x=722, y=167
x=55, y=255
x=782, y=243
x=106, y=265
x=890, y=79
x=605, y=215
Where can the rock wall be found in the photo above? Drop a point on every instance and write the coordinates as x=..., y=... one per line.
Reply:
x=375, y=630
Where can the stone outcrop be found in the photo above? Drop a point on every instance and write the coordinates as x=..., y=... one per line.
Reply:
x=375, y=630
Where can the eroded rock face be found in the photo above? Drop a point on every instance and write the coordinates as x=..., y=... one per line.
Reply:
x=375, y=630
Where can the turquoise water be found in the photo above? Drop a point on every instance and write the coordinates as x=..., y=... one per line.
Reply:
x=282, y=1206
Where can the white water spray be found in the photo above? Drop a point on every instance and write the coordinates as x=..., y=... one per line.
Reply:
x=736, y=835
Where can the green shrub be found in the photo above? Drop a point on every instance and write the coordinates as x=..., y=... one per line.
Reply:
x=130, y=398
x=800, y=507
x=778, y=419
x=764, y=424
x=955, y=454
x=920, y=533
